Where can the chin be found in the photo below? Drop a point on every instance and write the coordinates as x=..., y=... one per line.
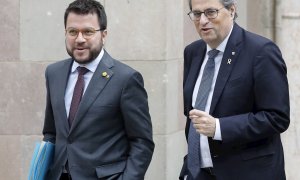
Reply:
x=82, y=61
x=209, y=40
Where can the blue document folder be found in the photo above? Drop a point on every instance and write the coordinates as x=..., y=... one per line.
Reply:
x=41, y=160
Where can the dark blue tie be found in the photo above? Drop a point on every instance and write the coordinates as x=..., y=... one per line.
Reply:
x=194, y=159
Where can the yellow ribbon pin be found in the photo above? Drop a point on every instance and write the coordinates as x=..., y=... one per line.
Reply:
x=104, y=74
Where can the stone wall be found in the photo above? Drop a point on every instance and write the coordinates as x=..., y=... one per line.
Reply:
x=148, y=35
x=288, y=39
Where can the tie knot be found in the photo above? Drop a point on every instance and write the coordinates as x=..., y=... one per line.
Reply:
x=82, y=70
x=212, y=53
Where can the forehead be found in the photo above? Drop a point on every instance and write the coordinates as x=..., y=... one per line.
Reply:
x=82, y=20
x=205, y=4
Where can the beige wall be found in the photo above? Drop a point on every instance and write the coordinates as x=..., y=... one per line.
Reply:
x=288, y=38
x=148, y=35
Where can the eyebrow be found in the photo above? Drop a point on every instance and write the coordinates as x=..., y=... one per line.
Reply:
x=210, y=8
x=83, y=28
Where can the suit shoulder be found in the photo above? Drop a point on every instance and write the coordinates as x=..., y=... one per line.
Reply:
x=194, y=45
x=125, y=73
x=194, y=48
x=123, y=68
x=257, y=40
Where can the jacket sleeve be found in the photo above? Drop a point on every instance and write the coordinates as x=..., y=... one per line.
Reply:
x=49, y=131
x=138, y=127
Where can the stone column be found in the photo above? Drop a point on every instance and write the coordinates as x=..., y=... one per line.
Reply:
x=260, y=17
x=288, y=38
x=148, y=35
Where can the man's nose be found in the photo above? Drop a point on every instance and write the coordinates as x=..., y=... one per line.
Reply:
x=80, y=38
x=203, y=19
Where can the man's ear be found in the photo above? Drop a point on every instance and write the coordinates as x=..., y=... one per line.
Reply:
x=104, y=34
x=232, y=9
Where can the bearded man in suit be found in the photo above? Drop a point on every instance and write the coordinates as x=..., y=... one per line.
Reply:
x=97, y=109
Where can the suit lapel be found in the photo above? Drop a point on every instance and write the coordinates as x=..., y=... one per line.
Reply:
x=62, y=81
x=229, y=59
x=195, y=66
x=191, y=79
x=95, y=87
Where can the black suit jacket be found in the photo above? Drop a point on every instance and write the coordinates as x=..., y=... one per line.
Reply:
x=251, y=100
x=111, y=135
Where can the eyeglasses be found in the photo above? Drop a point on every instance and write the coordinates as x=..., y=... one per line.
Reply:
x=209, y=13
x=87, y=33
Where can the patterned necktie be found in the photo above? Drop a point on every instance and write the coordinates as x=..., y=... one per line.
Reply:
x=77, y=94
x=194, y=137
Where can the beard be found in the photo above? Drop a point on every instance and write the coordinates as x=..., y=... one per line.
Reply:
x=92, y=54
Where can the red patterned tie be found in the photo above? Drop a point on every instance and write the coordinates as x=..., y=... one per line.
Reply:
x=77, y=94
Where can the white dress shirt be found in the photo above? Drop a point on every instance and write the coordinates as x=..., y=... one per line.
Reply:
x=92, y=66
x=206, y=160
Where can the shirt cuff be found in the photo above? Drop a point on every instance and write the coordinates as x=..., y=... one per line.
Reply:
x=218, y=131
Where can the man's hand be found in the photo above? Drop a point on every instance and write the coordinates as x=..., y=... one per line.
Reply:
x=203, y=122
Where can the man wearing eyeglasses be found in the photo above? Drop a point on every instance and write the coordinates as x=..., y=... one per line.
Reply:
x=236, y=99
x=97, y=109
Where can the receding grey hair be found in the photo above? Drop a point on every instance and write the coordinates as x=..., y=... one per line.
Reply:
x=226, y=3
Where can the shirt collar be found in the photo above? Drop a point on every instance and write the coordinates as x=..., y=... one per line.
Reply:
x=91, y=66
x=222, y=46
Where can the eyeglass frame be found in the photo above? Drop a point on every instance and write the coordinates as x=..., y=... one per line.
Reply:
x=216, y=11
x=82, y=33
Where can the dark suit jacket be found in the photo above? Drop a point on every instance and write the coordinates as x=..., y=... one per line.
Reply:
x=251, y=99
x=111, y=135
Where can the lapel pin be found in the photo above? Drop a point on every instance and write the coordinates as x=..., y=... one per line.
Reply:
x=233, y=53
x=229, y=61
x=104, y=74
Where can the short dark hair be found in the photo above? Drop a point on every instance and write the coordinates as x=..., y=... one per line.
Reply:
x=226, y=3
x=85, y=7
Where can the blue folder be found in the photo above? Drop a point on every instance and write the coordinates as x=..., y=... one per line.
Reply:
x=41, y=160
